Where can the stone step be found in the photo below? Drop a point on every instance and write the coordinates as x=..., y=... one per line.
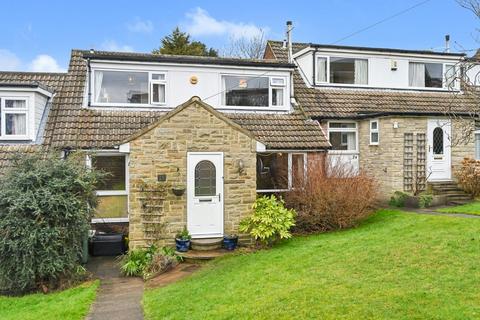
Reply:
x=207, y=244
x=459, y=202
x=195, y=256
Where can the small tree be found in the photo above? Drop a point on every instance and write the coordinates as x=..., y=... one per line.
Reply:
x=179, y=43
x=46, y=204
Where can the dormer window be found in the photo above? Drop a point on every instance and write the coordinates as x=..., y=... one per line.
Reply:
x=425, y=75
x=341, y=70
x=129, y=87
x=253, y=91
x=13, y=118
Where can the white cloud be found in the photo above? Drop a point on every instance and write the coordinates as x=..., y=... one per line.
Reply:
x=41, y=63
x=9, y=61
x=45, y=63
x=112, y=45
x=140, y=26
x=200, y=23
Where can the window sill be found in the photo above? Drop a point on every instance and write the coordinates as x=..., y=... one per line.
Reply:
x=109, y=220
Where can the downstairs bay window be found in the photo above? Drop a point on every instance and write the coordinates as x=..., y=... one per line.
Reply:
x=112, y=192
x=279, y=171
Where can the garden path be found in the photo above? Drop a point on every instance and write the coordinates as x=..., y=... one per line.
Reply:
x=436, y=213
x=118, y=297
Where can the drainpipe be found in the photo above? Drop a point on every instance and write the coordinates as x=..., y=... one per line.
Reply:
x=89, y=93
x=314, y=76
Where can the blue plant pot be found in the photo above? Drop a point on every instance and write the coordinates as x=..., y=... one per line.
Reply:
x=230, y=243
x=182, y=245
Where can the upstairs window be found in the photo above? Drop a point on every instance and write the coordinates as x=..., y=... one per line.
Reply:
x=252, y=91
x=121, y=87
x=425, y=75
x=13, y=118
x=450, y=76
x=348, y=70
x=158, y=88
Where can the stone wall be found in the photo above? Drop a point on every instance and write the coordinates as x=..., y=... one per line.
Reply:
x=163, y=151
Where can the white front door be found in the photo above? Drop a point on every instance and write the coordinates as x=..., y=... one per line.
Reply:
x=205, y=194
x=439, y=149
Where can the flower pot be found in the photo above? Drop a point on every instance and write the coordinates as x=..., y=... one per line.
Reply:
x=182, y=245
x=178, y=191
x=230, y=242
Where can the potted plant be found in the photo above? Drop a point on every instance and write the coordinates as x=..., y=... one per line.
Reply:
x=178, y=190
x=230, y=241
x=182, y=240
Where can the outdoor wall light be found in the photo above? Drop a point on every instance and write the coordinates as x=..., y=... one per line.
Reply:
x=395, y=125
x=240, y=166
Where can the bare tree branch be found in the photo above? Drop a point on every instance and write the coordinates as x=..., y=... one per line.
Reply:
x=248, y=48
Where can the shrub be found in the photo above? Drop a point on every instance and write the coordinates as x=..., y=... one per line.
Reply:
x=398, y=199
x=45, y=209
x=149, y=262
x=270, y=220
x=468, y=176
x=424, y=200
x=332, y=197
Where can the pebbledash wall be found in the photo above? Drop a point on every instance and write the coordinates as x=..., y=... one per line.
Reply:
x=385, y=161
x=163, y=150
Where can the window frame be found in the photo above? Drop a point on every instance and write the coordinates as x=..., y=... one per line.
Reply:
x=477, y=152
x=270, y=106
x=355, y=130
x=3, y=117
x=444, y=78
x=133, y=105
x=377, y=131
x=125, y=192
x=327, y=76
x=290, y=170
x=160, y=82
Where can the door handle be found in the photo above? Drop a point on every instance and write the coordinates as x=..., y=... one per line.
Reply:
x=219, y=197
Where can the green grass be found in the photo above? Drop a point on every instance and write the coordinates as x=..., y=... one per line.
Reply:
x=469, y=208
x=394, y=266
x=70, y=304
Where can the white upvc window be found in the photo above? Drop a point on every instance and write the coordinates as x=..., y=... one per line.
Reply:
x=14, y=118
x=252, y=91
x=477, y=140
x=281, y=171
x=322, y=69
x=343, y=136
x=374, y=132
x=158, y=88
x=114, y=87
x=450, y=80
x=112, y=192
x=432, y=75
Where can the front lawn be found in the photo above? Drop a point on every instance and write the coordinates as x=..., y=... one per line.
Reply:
x=70, y=304
x=395, y=266
x=469, y=208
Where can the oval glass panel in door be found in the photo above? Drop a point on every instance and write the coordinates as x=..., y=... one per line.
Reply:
x=438, y=140
x=205, y=179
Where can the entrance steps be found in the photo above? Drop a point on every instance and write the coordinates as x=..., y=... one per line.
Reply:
x=207, y=244
x=203, y=250
x=451, y=190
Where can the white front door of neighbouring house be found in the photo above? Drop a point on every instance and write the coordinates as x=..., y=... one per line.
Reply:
x=439, y=150
x=205, y=194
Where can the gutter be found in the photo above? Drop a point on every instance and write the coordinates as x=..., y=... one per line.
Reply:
x=390, y=113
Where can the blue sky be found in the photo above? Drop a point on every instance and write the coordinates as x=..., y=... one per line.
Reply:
x=38, y=35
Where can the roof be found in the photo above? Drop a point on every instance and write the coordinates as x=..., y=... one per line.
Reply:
x=9, y=152
x=327, y=102
x=46, y=80
x=281, y=53
x=165, y=58
x=70, y=125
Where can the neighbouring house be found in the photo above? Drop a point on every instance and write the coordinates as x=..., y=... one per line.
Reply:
x=187, y=141
x=399, y=115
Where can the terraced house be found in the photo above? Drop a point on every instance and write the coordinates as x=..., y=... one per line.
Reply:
x=191, y=141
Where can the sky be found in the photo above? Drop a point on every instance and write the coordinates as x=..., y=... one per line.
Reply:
x=38, y=35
